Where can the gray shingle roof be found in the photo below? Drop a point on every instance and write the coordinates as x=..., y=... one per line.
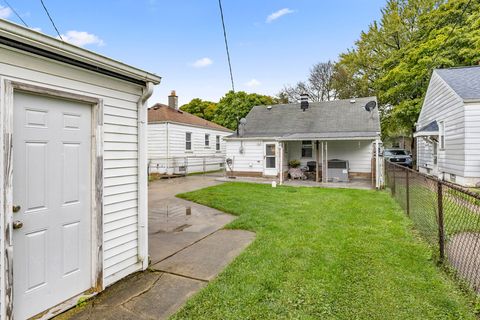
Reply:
x=465, y=81
x=431, y=127
x=329, y=119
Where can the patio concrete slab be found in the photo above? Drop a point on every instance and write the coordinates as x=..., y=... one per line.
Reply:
x=205, y=259
x=174, y=223
x=165, y=297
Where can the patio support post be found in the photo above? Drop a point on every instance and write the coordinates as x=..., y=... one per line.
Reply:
x=323, y=165
x=317, y=152
x=280, y=152
x=326, y=161
x=377, y=166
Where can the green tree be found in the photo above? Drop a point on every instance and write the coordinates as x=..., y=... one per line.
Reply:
x=238, y=104
x=201, y=108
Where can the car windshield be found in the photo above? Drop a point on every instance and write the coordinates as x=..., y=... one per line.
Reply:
x=395, y=152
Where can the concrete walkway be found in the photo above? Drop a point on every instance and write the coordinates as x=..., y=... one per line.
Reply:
x=187, y=248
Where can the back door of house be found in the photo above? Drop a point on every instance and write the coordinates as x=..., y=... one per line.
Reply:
x=52, y=199
x=270, y=162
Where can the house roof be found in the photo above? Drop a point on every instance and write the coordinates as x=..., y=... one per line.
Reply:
x=328, y=119
x=163, y=113
x=465, y=81
x=25, y=39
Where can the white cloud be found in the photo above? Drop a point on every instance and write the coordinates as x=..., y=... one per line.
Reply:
x=36, y=29
x=278, y=14
x=81, y=38
x=203, y=62
x=5, y=12
x=253, y=83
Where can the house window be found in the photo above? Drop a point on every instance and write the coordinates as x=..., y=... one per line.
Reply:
x=270, y=156
x=307, y=149
x=207, y=140
x=217, y=143
x=188, y=141
x=441, y=134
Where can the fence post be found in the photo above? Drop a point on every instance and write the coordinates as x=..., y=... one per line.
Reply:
x=394, y=186
x=407, y=191
x=441, y=229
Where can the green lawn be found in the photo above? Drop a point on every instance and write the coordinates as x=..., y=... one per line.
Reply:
x=323, y=254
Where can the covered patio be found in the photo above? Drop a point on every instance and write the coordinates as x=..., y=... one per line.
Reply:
x=352, y=159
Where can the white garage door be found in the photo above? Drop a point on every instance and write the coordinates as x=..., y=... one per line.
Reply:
x=52, y=186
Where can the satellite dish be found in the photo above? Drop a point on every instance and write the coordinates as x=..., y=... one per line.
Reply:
x=370, y=105
x=243, y=121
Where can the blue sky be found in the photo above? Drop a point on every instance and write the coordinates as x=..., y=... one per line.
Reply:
x=272, y=42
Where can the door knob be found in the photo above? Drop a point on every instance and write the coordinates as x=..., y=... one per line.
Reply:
x=16, y=208
x=17, y=224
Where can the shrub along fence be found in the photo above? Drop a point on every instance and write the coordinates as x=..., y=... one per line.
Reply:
x=447, y=216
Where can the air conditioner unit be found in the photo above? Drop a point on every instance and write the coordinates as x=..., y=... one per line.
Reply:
x=338, y=170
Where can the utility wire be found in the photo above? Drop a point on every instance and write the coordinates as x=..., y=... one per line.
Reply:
x=16, y=13
x=51, y=20
x=226, y=44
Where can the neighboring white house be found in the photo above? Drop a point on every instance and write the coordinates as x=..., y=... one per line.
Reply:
x=448, y=128
x=332, y=130
x=181, y=143
x=73, y=169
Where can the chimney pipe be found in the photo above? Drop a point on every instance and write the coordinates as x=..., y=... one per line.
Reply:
x=173, y=100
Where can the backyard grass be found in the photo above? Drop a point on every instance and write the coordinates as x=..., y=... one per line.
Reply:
x=323, y=254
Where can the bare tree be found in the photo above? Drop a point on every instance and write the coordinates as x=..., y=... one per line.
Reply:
x=318, y=87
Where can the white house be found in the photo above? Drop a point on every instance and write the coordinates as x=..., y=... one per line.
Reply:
x=73, y=169
x=181, y=143
x=336, y=139
x=448, y=128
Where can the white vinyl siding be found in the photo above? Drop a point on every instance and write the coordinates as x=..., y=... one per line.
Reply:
x=120, y=148
x=173, y=145
x=443, y=104
x=251, y=160
x=472, y=143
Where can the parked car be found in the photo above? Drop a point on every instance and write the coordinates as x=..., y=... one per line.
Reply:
x=398, y=156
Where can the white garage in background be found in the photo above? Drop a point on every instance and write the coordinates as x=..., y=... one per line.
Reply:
x=72, y=172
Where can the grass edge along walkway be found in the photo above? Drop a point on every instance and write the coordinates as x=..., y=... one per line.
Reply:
x=323, y=254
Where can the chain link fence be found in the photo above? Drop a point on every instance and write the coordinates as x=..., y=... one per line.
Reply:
x=183, y=166
x=447, y=216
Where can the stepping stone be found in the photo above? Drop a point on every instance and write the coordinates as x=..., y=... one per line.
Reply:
x=208, y=257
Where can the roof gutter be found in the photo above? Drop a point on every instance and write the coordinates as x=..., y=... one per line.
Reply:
x=28, y=40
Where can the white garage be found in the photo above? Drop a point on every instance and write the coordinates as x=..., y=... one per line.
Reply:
x=72, y=172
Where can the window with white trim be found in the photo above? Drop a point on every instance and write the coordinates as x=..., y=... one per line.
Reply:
x=207, y=140
x=307, y=149
x=441, y=134
x=217, y=143
x=188, y=141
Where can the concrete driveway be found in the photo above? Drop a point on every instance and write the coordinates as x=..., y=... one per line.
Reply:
x=187, y=249
x=173, y=223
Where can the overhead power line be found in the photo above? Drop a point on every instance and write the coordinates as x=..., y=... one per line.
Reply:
x=51, y=20
x=226, y=44
x=16, y=13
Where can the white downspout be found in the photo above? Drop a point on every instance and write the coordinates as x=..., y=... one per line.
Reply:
x=281, y=162
x=142, y=176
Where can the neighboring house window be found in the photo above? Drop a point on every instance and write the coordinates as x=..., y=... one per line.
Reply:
x=188, y=141
x=270, y=156
x=441, y=134
x=217, y=143
x=207, y=140
x=307, y=149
